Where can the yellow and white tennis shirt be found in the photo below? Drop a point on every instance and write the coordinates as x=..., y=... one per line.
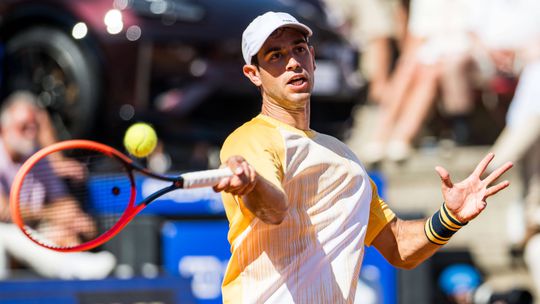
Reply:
x=315, y=254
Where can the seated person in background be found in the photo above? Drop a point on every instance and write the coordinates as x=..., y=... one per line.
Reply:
x=509, y=31
x=373, y=26
x=19, y=132
x=47, y=135
x=435, y=62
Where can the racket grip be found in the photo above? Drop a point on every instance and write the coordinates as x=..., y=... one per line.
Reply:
x=207, y=178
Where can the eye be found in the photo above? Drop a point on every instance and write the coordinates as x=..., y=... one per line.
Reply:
x=275, y=56
x=300, y=49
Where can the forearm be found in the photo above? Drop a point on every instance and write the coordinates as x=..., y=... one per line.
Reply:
x=266, y=202
x=413, y=245
x=406, y=244
x=47, y=134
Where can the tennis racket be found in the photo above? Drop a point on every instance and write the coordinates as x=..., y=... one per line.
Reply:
x=63, y=216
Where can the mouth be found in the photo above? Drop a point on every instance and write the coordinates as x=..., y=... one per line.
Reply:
x=298, y=81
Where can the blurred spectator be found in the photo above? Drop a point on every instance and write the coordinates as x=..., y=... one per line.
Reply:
x=513, y=296
x=19, y=136
x=374, y=26
x=532, y=250
x=463, y=284
x=509, y=32
x=436, y=55
x=458, y=282
x=452, y=47
x=520, y=143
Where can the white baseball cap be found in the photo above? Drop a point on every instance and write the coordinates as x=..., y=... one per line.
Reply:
x=262, y=27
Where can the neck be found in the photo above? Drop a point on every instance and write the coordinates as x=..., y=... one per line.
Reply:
x=298, y=117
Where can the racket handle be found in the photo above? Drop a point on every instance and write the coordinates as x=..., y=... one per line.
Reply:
x=207, y=178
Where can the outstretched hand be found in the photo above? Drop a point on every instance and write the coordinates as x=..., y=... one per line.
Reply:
x=467, y=199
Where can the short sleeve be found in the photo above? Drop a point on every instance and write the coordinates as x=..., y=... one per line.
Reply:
x=379, y=215
x=263, y=148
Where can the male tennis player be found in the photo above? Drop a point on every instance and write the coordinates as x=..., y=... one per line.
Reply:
x=301, y=206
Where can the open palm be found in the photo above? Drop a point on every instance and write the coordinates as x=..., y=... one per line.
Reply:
x=467, y=199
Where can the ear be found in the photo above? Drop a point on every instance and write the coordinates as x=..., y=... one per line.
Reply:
x=312, y=51
x=252, y=72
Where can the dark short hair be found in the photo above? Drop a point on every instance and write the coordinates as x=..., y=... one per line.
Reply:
x=255, y=61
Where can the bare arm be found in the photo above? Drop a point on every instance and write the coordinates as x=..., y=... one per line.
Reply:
x=47, y=133
x=262, y=198
x=406, y=244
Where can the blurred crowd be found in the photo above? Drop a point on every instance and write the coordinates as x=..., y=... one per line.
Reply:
x=24, y=128
x=442, y=59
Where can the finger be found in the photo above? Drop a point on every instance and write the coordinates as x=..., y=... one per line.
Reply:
x=235, y=182
x=445, y=177
x=245, y=178
x=232, y=184
x=249, y=172
x=222, y=185
x=497, y=173
x=494, y=189
x=234, y=161
x=241, y=189
x=216, y=188
x=251, y=176
x=238, y=182
x=481, y=167
x=482, y=205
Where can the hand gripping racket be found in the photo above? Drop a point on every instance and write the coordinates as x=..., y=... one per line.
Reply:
x=60, y=216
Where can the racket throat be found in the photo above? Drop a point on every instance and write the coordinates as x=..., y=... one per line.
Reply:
x=176, y=185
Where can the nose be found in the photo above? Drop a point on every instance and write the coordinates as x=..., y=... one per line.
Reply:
x=292, y=64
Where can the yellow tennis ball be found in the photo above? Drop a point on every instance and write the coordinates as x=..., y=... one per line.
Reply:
x=140, y=139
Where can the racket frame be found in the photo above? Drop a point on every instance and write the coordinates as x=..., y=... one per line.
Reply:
x=177, y=182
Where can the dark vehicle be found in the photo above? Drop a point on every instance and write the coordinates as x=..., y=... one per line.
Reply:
x=99, y=65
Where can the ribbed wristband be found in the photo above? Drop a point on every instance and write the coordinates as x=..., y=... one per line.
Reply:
x=440, y=227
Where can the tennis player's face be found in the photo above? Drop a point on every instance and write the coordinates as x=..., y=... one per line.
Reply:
x=286, y=66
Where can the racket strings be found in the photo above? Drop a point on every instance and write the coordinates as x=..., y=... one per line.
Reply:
x=72, y=197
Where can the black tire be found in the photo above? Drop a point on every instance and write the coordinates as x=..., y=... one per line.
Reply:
x=51, y=64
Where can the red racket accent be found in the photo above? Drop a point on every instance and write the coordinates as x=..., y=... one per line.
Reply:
x=65, y=218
